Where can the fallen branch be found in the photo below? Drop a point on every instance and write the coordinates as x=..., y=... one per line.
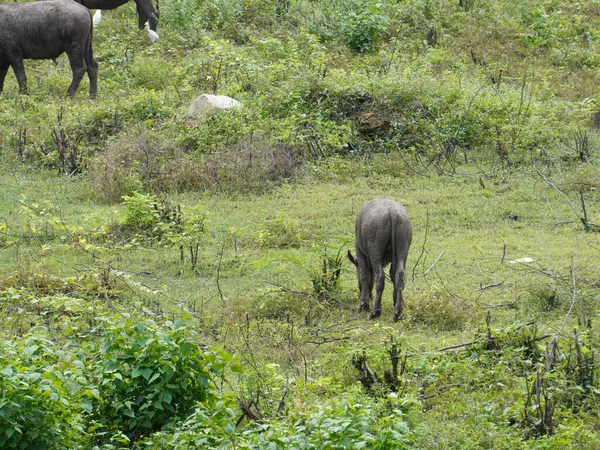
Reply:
x=457, y=346
x=423, y=247
x=327, y=340
x=501, y=305
x=487, y=286
x=435, y=262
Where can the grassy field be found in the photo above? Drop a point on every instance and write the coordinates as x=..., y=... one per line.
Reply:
x=166, y=283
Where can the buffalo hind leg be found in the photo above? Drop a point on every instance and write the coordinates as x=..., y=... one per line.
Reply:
x=398, y=279
x=3, y=72
x=19, y=69
x=78, y=68
x=365, y=285
x=379, y=276
x=92, y=71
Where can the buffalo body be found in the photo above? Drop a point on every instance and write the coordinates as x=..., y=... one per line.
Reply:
x=383, y=234
x=45, y=30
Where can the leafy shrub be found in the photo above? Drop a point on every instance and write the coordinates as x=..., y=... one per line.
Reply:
x=205, y=428
x=346, y=425
x=319, y=17
x=543, y=26
x=147, y=217
x=141, y=161
x=40, y=391
x=360, y=29
x=140, y=213
x=149, y=376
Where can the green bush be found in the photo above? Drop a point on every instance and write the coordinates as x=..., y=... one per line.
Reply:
x=360, y=29
x=149, y=376
x=347, y=425
x=42, y=399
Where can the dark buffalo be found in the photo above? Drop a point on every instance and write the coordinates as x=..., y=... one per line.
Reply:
x=45, y=30
x=382, y=236
x=145, y=9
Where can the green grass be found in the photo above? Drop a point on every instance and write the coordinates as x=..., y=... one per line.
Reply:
x=484, y=161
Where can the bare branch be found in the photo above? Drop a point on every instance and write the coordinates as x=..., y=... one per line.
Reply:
x=435, y=262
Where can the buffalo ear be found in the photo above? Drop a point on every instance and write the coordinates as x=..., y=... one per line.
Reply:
x=352, y=259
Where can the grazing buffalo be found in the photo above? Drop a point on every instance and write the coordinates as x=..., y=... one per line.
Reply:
x=45, y=30
x=382, y=235
x=145, y=9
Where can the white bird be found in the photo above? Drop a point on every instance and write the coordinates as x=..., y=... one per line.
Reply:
x=97, y=18
x=152, y=35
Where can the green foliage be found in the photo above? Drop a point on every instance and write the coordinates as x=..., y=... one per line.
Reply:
x=280, y=232
x=140, y=212
x=206, y=428
x=544, y=26
x=325, y=280
x=440, y=311
x=147, y=217
x=360, y=29
x=432, y=102
x=42, y=395
x=347, y=425
x=149, y=376
x=350, y=424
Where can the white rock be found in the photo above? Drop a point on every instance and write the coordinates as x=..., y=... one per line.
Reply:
x=208, y=102
x=524, y=260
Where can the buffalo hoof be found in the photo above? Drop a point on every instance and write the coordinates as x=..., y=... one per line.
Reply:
x=375, y=313
x=363, y=307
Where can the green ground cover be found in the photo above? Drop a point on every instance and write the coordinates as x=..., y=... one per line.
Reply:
x=170, y=283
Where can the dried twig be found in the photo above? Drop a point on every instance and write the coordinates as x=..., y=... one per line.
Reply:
x=423, y=247
x=435, y=262
x=285, y=392
x=487, y=286
x=219, y=272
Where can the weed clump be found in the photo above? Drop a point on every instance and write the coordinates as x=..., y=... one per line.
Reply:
x=249, y=166
x=280, y=232
x=440, y=312
x=545, y=298
x=141, y=161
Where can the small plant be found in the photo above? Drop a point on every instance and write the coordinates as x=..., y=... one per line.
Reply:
x=325, y=280
x=360, y=29
x=148, y=217
x=140, y=213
